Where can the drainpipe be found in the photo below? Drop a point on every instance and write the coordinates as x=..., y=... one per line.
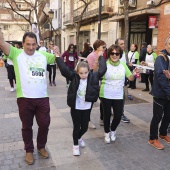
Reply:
x=99, y=19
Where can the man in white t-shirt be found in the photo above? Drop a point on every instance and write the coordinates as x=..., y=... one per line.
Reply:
x=31, y=88
x=121, y=43
x=42, y=47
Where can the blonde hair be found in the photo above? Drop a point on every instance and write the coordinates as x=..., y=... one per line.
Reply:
x=82, y=64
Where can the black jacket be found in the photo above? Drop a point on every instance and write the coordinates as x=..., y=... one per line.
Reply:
x=92, y=90
x=143, y=52
x=161, y=86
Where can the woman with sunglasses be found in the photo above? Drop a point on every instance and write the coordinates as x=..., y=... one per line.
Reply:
x=70, y=58
x=111, y=90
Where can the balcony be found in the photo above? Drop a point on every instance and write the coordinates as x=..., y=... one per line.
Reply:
x=106, y=10
x=68, y=20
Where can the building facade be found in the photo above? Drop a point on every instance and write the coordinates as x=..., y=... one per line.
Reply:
x=13, y=26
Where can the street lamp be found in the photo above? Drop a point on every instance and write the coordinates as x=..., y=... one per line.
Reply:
x=51, y=15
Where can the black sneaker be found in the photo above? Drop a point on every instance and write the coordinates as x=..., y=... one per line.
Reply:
x=125, y=119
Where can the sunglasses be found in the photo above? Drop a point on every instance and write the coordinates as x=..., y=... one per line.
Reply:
x=51, y=44
x=117, y=54
x=104, y=47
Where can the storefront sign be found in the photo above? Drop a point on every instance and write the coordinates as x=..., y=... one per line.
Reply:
x=152, y=21
x=167, y=9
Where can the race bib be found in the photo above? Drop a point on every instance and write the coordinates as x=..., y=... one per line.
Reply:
x=38, y=73
x=71, y=58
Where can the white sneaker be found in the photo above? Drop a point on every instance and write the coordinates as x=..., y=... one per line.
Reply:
x=76, y=151
x=113, y=135
x=107, y=137
x=12, y=89
x=91, y=126
x=81, y=143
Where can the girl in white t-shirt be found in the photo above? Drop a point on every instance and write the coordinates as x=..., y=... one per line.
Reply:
x=111, y=90
x=82, y=92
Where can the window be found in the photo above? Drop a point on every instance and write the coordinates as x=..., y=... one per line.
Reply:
x=6, y=27
x=56, y=14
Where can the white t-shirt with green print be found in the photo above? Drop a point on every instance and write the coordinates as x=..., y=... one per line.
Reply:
x=113, y=81
x=30, y=72
x=81, y=104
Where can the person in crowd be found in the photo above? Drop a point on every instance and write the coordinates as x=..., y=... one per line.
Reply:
x=91, y=49
x=86, y=50
x=42, y=46
x=70, y=57
x=161, y=99
x=82, y=92
x=121, y=43
x=111, y=91
x=149, y=60
x=51, y=68
x=98, y=45
x=32, y=98
x=142, y=57
x=10, y=70
x=133, y=57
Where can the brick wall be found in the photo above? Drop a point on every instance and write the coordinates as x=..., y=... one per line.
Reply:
x=163, y=27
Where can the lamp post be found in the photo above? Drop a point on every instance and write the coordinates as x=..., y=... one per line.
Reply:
x=99, y=19
x=51, y=15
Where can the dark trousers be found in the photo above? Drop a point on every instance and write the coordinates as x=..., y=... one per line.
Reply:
x=52, y=69
x=80, y=123
x=161, y=111
x=117, y=105
x=147, y=78
x=67, y=80
x=40, y=108
x=132, y=84
x=101, y=111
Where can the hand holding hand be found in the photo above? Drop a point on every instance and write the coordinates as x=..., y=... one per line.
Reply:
x=167, y=73
x=136, y=73
x=56, y=51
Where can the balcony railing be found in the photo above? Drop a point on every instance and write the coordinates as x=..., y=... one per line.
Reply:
x=68, y=19
x=91, y=13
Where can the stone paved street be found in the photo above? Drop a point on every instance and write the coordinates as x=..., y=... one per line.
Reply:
x=129, y=152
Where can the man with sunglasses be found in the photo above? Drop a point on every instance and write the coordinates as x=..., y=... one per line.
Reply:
x=42, y=47
x=121, y=43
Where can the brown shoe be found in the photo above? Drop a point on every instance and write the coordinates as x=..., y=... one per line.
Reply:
x=165, y=138
x=29, y=158
x=44, y=154
x=155, y=143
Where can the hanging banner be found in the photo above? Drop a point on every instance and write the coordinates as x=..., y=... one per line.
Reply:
x=152, y=22
x=36, y=32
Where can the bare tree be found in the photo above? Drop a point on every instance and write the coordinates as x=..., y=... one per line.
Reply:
x=79, y=23
x=126, y=21
x=31, y=9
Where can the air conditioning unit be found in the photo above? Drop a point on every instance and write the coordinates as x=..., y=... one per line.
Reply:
x=150, y=3
x=132, y=3
x=121, y=3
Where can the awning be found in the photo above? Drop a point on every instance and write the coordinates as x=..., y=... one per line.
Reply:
x=137, y=14
x=85, y=28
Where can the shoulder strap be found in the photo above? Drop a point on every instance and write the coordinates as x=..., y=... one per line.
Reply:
x=132, y=56
x=164, y=56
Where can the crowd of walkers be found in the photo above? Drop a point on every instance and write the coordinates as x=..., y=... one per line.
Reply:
x=101, y=73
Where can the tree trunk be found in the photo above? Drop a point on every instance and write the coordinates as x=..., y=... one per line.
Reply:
x=126, y=21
